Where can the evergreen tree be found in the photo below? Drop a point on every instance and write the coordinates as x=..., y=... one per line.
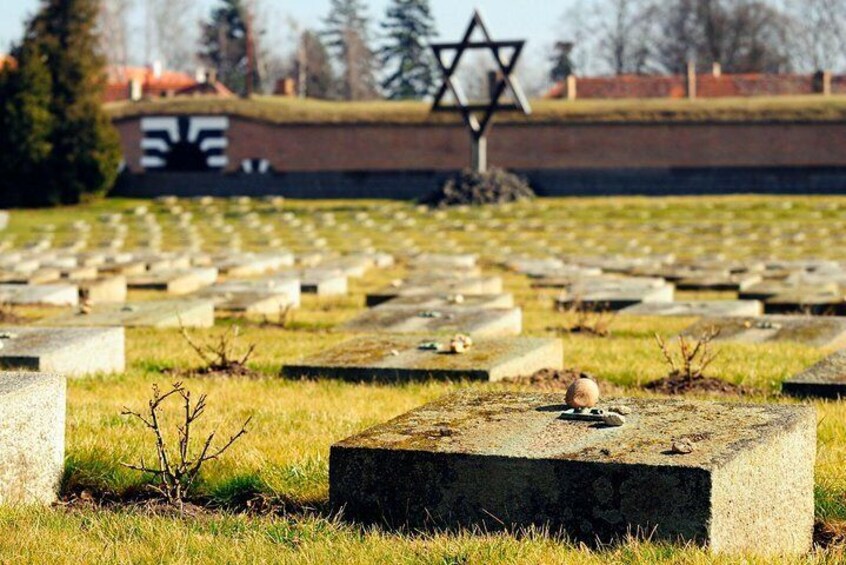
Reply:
x=408, y=26
x=224, y=45
x=83, y=147
x=26, y=125
x=347, y=36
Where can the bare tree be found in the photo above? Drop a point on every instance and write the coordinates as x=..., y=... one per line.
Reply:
x=617, y=33
x=114, y=30
x=818, y=33
x=741, y=35
x=172, y=32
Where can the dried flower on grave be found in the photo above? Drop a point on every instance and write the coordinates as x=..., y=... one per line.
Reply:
x=693, y=357
x=590, y=321
x=177, y=466
x=219, y=355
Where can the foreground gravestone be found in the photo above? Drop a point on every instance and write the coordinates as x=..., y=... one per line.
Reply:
x=709, y=308
x=190, y=313
x=402, y=358
x=32, y=437
x=428, y=285
x=828, y=331
x=65, y=351
x=509, y=460
x=826, y=379
x=478, y=322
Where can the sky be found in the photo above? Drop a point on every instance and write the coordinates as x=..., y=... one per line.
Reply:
x=534, y=20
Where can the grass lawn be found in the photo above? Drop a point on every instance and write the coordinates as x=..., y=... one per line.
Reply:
x=293, y=110
x=284, y=457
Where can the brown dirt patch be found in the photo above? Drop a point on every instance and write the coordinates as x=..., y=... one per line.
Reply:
x=554, y=380
x=830, y=534
x=675, y=384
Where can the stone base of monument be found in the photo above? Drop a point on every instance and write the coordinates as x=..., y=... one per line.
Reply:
x=32, y=437
x=696, y=308
x=509, y=461
x=826, y=379
x=189, y=312
x=822, y=331
x=400, y=358
x=478, y=322
x=65, y=351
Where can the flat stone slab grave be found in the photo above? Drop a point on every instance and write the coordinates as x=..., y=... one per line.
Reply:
x=696, y=308
x=104, y=290
x=32, y=437
x=817, y=304
x=191, y=313
x=478, y=322
x=438, y=301
x=174, y=282
x=508, y=460
x=614, y=296
x=323, y=283
x=417, y=286
x=826, y=379
x=34, y=294
x=399, y=358
x=820, y=331
x=71, y=352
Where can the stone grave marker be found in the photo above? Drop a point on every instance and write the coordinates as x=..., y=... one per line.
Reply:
x=708, y=308
x=255, y=297
x=813, y=303
x=32, y=437
x=718, y=281
x=71, y=352
x=104, y=290
x=478, y=322
x=401, y=358
x=428, y=285
x=189, y=312
x=437, y=301
x=442, y=261
x=819, y=331
x=40, y=294
x=174, y=282
x=323, y=282
x=501, y=460
x=609, y=294
x=826, y=379
x=769, y=288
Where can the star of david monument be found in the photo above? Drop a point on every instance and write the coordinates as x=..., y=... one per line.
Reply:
x=478, y=115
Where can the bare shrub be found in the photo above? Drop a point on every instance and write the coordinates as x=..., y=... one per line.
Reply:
x=178, y=466
x=694, y=356
x=219, y=355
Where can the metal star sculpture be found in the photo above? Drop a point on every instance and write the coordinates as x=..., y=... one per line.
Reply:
x=479, y=125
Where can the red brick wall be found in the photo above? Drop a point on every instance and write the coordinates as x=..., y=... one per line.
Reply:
x=309, y=148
